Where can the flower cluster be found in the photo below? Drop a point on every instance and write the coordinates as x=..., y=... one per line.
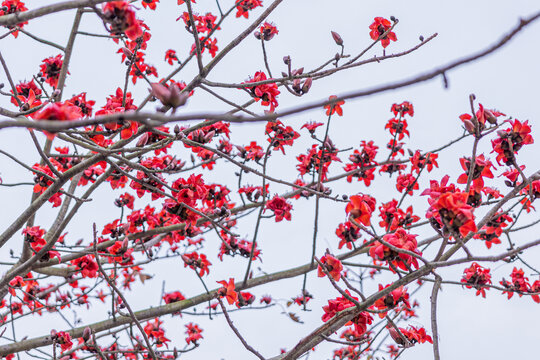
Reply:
x=266, y=92
x=399, y=239
x=122, y=19
x=477, y=276
x=511, y=140
x=339, y=304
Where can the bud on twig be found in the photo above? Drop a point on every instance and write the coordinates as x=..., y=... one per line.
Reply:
x=337, y=38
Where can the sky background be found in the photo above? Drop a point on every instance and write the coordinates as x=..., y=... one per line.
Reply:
x=470, y=327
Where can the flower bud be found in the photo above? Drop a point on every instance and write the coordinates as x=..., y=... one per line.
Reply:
x=127, y=52
x=257, y=35
x=287, y=60
x=143, y=140
x=87, y=332
x=469, y=126
x=307, y=85
x=337, y=38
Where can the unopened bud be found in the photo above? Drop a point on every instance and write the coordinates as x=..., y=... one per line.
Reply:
x=257, y=35
x=298, y=71
x=54, y=335
x=287, y=60
x=307, y=85
x=209, y=136
x=87, y=332
x=143, y=140
x=421, y=38
x=127, y=52
x=469, y=126
x=337, y=38
x=125, y=244
x=176, y=129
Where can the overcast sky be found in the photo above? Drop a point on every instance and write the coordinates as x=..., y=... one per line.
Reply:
x=470, y=327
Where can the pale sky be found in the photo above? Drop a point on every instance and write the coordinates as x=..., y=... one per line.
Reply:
x=470, y=327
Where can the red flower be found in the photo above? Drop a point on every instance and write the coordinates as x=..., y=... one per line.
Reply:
x=81, y=102
x=511, y=140
x=481, y=170
x=50, y=69
x=398, y=128
x=380, y=26
x=332, y=265
x=28, y=93
x=267, y=92
x=348, y=233
x=60, y=112
x=12, y=7
x=197, y=262
x=391, y=300
x=480, y=118
x=244, y=299
x=412, y=334
x=477, y=276
x=281, y=208
x=64, y=340
x=311, y=126
x=454, y=210
x=519, y=284
x=173, y=297
x=401, y=240
x=402, y=109
x=334, y=106
x=406, y=182
x=341, y=303
x=86, y=265
x=419, y=161
x=150, y=4
x=246, y=5
x=280, y=135
x=121, y=17
x=155, y=331
x=193, y=331
x=170, y=56
x=228, y=290
x=266, y=31
x=360, y=208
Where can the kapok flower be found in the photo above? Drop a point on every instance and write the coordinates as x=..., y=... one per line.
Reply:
x=341, y=303
x=400, y=239
x=228, y=291
x=412, y=334
x=12, y=7
x=360, y=208
x=172, y=297
x=194, y=333
x=481, y=170
x=403, y=109
x=477, y=276
x=334, y=106
x=510, y=141
x=391, y=300
x=266, y=92
x=332, y=266
x=121, y=17
x=281, y=208
x=60, y=112
x=244, y=6
x=266, y=31
x=50, y=69
x=378, y=28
